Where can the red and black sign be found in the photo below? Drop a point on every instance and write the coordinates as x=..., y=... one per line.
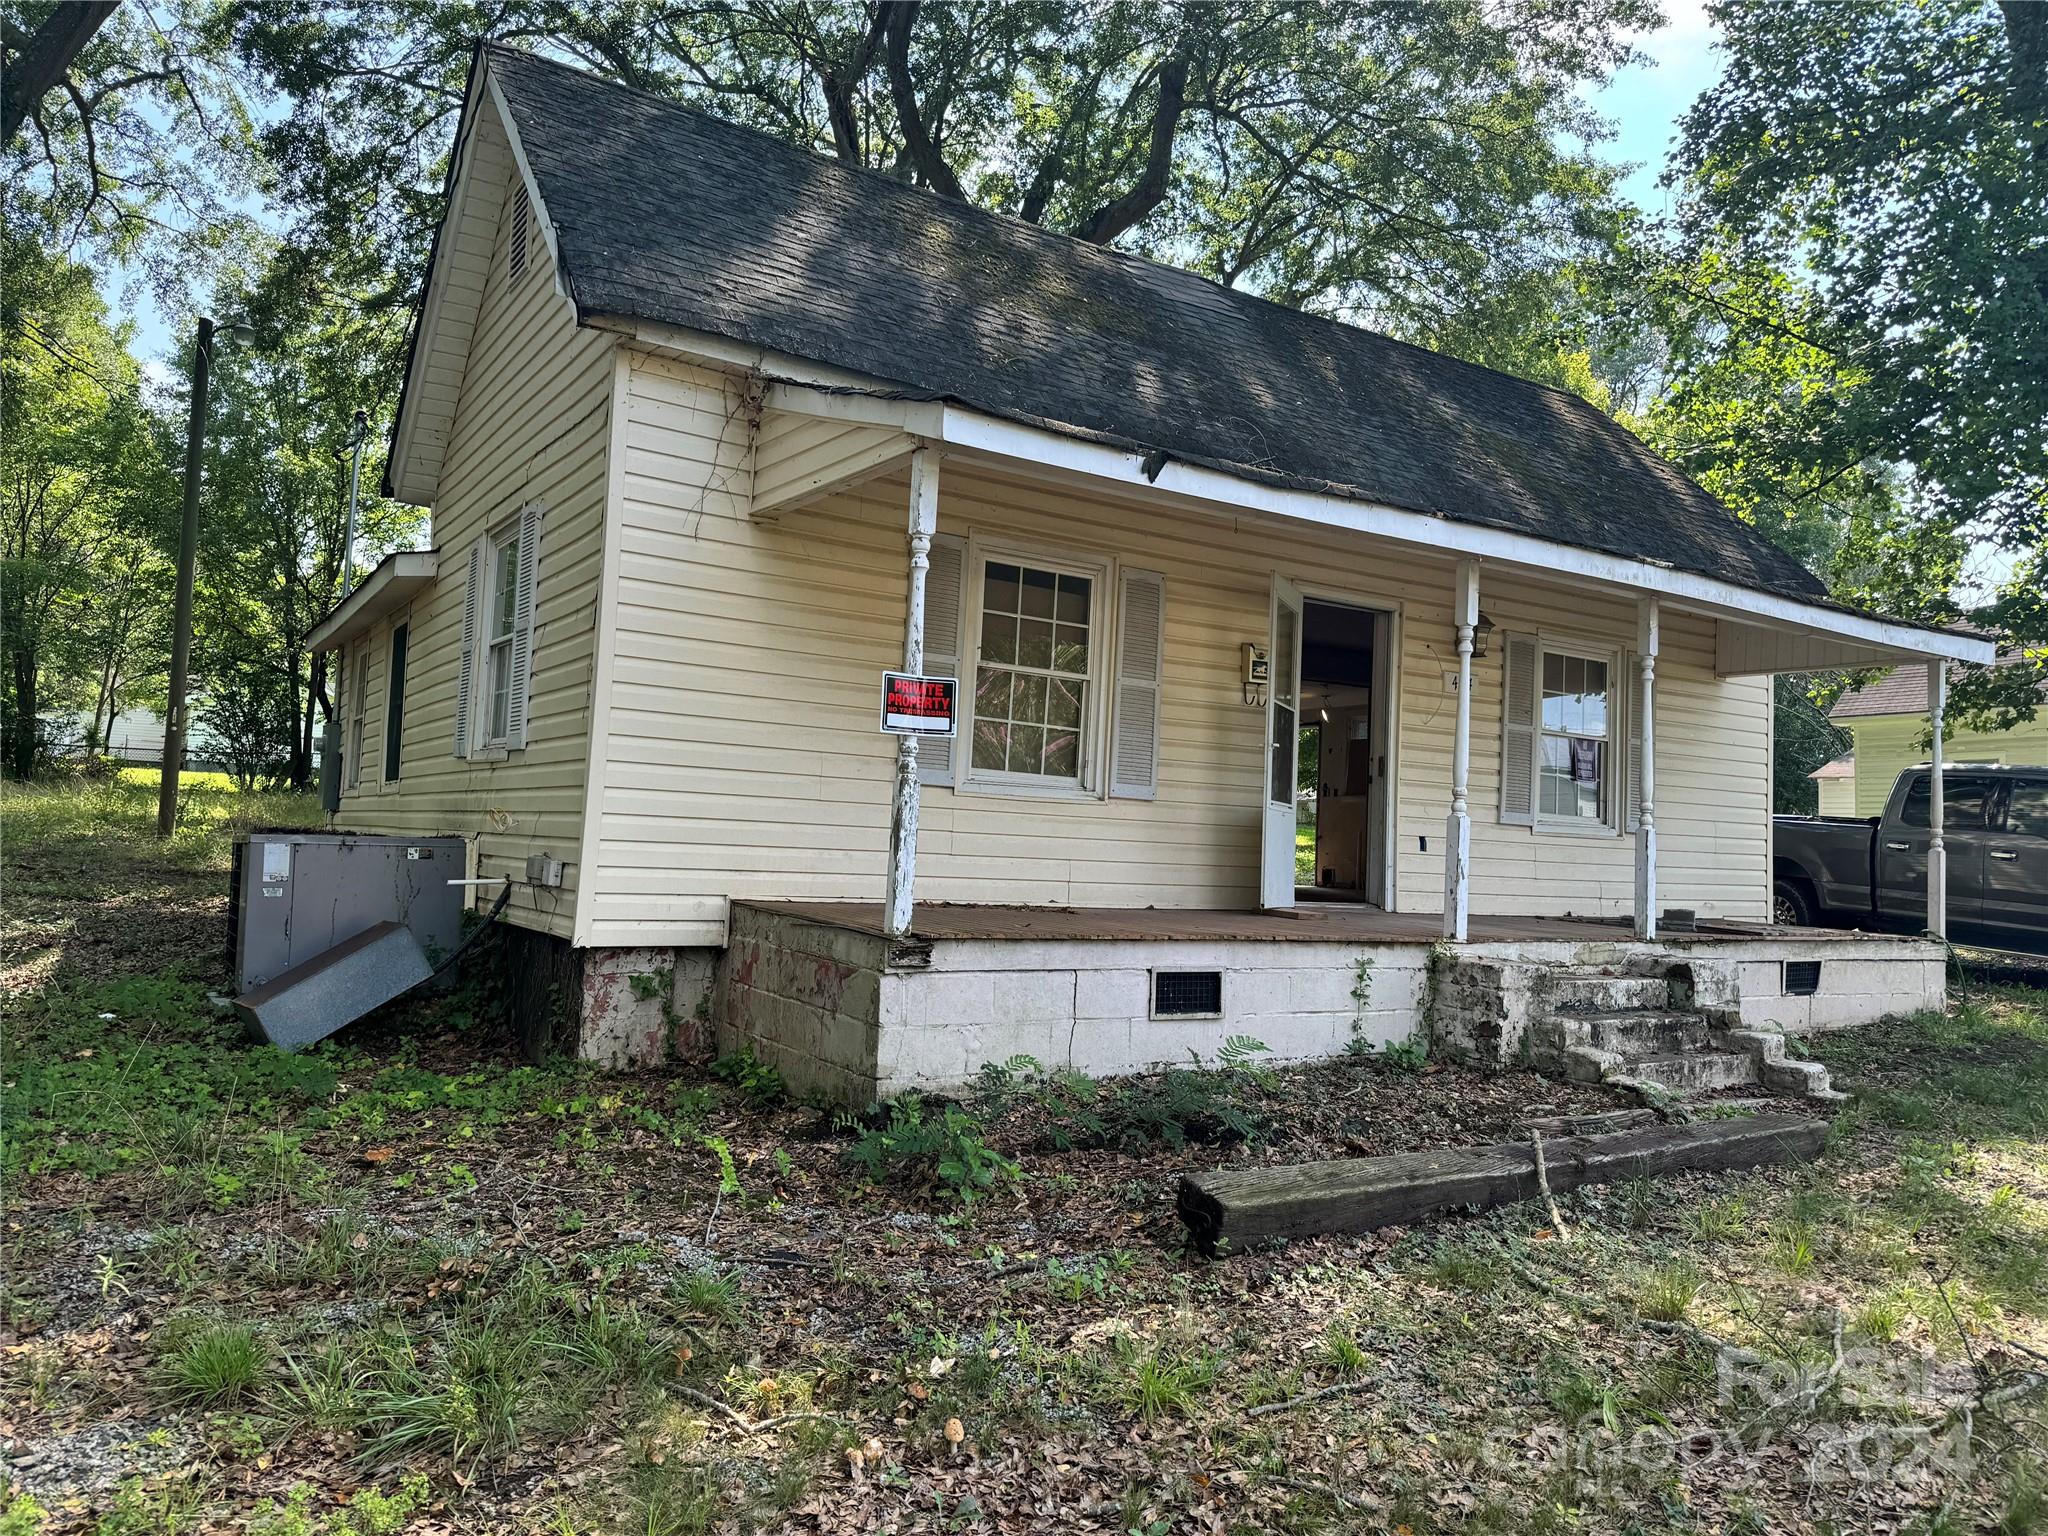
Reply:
x=918, y=706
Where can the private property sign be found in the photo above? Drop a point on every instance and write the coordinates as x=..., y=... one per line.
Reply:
x=918, y=706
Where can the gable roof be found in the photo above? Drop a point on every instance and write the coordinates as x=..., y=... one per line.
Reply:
x=1904, y=691
x=664, y=214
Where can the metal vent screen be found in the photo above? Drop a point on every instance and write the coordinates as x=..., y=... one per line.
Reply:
x=1802, y=978
x=1186, y=994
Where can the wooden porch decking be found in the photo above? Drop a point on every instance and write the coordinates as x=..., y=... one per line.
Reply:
x=1311, y=922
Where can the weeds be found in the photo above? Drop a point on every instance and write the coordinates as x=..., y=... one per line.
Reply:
x=940, y=1146
x=215, y=1366
x=1668, y=1292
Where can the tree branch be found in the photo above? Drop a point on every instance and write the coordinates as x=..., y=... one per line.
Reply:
x=924, y=154
x=1112, y=219
x=47, y=59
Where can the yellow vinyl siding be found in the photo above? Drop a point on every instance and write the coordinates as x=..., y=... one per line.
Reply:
x=741, y=756
x=1838, y=797
x=1888, y=744
x=532, y=424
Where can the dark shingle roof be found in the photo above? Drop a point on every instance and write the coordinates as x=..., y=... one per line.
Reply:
x=1904, y=690
x=666, y=214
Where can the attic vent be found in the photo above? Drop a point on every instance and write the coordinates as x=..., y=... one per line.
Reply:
x=1187, y=994
x=521, y=232
x=1802, y=978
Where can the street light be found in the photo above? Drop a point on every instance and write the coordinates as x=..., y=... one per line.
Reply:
x=239, y=333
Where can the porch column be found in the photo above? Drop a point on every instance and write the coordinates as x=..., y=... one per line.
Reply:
x=924, y=519
x=1646, y=762
x=1458, y=827
x=1937, y=835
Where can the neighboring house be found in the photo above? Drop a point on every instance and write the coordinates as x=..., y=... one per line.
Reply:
x=137, y=736
x=1836, y=782
x=1888, y=721
x=716, y=431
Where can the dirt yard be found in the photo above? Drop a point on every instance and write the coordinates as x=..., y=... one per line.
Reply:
x=409, y=1283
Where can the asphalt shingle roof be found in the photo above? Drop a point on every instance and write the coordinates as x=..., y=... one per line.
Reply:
x=666, y=214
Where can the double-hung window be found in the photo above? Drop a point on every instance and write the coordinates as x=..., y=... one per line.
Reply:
x=1564, y=754
x=496, y=669
x=1034, y=680
x=501, y=634
x=1575, y=750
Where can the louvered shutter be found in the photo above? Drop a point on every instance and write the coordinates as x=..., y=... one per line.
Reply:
x=1140, y=648
x=516, y=711
x=465, y=670
x=944, y=581
x=1630, y=696
x=1518, y=730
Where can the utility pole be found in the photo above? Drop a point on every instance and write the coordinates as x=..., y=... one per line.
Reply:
x=188, y=560
x=330, y=736
x=176, y=725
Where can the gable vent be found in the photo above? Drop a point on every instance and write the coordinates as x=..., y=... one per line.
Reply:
x=1187, y=994
x=521, y=233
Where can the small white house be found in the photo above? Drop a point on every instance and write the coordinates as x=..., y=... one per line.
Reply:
x=716, y=432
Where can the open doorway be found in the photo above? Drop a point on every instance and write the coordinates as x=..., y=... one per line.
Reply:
x=1341, y=797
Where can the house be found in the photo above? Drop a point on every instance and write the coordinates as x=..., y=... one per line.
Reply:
x=716, y=432
x=1836, y=783
x=1887, y=720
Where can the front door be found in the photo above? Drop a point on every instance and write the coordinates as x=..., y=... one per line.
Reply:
x=1283, y=735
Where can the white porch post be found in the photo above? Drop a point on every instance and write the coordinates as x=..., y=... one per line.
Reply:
x=1458, y=827
x=1937, y=836
x=1646, y=760
x=924, y=519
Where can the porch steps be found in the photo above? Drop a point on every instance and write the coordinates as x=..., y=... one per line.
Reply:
x=1632, y=1030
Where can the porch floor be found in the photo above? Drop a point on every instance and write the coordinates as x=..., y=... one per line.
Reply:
x=1311, y=922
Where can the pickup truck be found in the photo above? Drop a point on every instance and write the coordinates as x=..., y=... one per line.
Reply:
x=1872, y=872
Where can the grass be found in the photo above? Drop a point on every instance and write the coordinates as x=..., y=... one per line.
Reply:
x=407, y=1278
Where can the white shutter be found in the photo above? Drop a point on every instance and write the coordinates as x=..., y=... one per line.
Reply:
x=465, y=670
x=944, y=581
x=1518, y=730
x=1629, y=699
x=1140, y=654
x=522, y=625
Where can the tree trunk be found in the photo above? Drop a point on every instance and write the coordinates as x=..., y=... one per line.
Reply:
x=22, y=749
x=47, y=58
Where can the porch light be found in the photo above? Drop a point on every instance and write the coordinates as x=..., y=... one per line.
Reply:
x=1481, y=632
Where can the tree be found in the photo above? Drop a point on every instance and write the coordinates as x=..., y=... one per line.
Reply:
x=79, y=473
x=1889, y=160
x=1383, y=159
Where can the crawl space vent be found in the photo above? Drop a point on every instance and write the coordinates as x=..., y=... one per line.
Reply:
x=1802, y=978
x=1187, y=994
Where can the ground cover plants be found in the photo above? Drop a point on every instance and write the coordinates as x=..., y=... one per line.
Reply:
x=410, y=1282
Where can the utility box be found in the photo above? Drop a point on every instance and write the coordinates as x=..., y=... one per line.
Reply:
x=295, y=895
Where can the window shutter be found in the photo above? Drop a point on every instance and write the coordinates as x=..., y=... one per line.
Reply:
x=1630, y=694
x=943, y=583
x=1518, y=731
x=1140, y=648
x=465, y=670
x=522, y=625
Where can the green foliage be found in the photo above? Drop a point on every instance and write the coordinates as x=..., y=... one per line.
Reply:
x=941, y=1146
x=213, y=1366
x=760, y=1082
x=1172, y=1108
x=1668, y=1292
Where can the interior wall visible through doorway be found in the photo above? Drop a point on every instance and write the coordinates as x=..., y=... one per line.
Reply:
x=1343, y=800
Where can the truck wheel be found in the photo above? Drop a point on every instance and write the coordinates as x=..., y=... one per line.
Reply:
x=1792, y=905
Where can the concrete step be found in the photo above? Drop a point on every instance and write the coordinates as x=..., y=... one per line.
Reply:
x=1582, y=993
x=1640, y=1032
x=1693, y=1071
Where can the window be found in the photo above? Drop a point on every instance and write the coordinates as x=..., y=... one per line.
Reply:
x=1035, y=673
x=495, y=672
x=2026, y=810
x=1575, y=760
x=500, y=633
x=1963, y=803
x=394, y=705
x=358, y=708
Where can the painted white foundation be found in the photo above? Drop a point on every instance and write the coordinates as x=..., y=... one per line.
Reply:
x=856, y=1017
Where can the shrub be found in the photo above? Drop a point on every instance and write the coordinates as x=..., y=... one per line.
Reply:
x=760, y=1082
x=933, y=1145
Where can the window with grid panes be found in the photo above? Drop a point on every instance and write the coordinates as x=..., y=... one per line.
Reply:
x=1034, y=672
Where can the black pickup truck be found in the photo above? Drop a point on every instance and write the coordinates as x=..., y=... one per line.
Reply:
x=1872, y=872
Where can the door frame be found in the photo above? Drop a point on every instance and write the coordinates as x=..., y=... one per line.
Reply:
x=1386, y=723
